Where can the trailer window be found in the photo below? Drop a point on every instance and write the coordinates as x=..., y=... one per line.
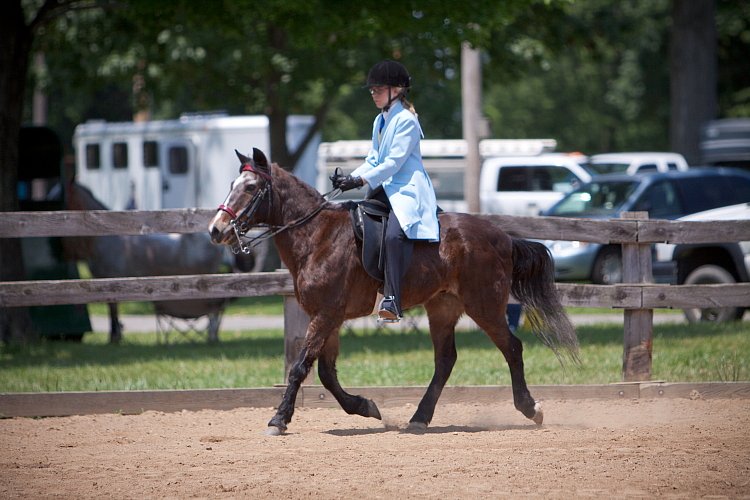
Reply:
x=150, y=154
x=120, y=155
x=93, y=157
x=178, y=160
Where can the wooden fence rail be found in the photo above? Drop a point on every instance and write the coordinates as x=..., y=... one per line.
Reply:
x=192, y=220
x=209, y=286
x=637, y=297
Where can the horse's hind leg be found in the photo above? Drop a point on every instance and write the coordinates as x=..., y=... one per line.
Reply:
x=353, y=405
x=443, y=313
x=492, y=321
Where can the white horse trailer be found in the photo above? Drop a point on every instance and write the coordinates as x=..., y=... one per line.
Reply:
x=444, y=160
x=182, y=163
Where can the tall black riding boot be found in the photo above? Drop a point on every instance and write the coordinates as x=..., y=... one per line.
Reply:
x=398, y=251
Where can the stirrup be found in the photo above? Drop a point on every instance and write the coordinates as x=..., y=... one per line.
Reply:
x=388, y=312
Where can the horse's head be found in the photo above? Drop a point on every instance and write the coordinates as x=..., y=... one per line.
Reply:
x=248, y=203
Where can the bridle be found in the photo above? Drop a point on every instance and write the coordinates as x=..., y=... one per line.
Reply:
x=241, y=222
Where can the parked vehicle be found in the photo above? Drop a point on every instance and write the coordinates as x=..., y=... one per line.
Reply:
x=633, y=163
x=663, y=195
x=707, y=263
x=726, y=143
x=444, y=160
x=528, y=185
x=183, y=163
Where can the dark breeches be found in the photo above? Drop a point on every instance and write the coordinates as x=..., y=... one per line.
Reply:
x=398, y=252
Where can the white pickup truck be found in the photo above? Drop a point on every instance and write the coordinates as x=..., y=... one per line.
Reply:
x=637, y=162
x=527, y=185
x=707, y=263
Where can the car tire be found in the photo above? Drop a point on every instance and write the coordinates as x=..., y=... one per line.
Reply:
x=711, y=275
x=607, y=266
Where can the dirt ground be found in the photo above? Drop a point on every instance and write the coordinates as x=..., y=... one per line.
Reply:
x=587, y=448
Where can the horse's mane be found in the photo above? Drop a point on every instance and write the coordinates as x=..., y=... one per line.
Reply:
x=295, y=185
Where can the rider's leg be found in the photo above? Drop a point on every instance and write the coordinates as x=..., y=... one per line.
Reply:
x=398, y=252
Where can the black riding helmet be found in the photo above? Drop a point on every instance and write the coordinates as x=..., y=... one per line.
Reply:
x=388, y=73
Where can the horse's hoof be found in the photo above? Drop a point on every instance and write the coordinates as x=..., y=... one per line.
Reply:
x=418, y=427
x=372, y=410
x=538, y=417
x=272, y=430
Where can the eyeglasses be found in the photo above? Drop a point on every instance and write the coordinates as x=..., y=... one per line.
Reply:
x=377, y=90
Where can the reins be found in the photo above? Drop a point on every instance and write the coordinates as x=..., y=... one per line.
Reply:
x=241, y=228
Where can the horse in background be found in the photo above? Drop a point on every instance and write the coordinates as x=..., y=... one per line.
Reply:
x=146, y=255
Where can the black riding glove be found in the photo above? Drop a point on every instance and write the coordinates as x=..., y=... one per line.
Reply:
x=347, y=182
x=337, y=177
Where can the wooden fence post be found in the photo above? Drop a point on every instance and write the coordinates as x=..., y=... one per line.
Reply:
x=638, y=323
x=296, y=322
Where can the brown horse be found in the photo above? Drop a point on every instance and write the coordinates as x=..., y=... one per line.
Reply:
x=472, y=270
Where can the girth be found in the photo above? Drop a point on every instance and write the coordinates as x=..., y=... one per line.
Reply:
x=369, y=220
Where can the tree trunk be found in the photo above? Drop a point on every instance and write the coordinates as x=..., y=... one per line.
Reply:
x=278, y=111
x=693, y=72
x=15, y=324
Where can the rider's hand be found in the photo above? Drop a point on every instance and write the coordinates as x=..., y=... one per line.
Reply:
x=345, y=183
x=337, y=177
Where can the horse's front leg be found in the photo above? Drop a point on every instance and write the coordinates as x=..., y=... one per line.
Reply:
x=297, y=375
x=315, y=338
x=353, y=405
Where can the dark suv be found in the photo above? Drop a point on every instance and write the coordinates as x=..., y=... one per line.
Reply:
x=668, y=195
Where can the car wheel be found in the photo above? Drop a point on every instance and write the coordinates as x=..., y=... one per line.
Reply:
x=711, y=275
x=607, y=267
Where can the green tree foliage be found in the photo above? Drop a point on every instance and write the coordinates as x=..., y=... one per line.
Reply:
x=733, y=26
x=596, y=78
x=591, y=74
x=597, y=81
x=278, y=58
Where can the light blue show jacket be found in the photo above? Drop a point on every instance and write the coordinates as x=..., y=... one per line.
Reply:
x=395, y=161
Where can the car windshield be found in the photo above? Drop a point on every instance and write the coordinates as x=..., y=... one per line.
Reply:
x=595, y=199
x=610, y=167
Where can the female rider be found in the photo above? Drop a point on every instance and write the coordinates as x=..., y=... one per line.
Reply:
x=394, y=173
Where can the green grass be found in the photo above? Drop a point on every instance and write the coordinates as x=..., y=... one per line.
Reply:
x=682, y=353
x=251, y=359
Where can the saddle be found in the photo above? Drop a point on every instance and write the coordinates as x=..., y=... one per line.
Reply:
x=369, y=218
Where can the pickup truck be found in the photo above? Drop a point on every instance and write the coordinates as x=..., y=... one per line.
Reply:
x=707, y=263
x=527, y=185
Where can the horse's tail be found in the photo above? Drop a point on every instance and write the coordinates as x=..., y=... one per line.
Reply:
x=534, y=286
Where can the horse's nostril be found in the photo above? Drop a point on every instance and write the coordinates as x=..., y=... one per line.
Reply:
x=215, y=234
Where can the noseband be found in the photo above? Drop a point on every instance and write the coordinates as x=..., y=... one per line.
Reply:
x=241, y=222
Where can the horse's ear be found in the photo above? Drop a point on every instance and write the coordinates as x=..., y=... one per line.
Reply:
x=243, y=159
x=260, y=159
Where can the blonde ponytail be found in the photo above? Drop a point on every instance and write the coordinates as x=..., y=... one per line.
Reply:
x=408, y=105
